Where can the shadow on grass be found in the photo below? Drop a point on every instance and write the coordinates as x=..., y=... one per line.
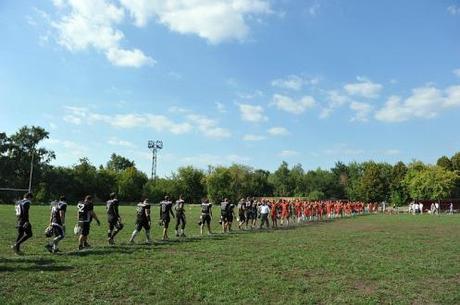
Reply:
x=30, y=264
x=126, y=248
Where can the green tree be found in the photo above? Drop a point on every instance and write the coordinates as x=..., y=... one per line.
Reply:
x=444, y=162
x=130, y=184
x=190, y=182
x=431, y=182
x=220, y=185
x=85, y=178
x=455, y=159
x=119, y=163
x=374, y=184
x=280, y=181
x=398, y=191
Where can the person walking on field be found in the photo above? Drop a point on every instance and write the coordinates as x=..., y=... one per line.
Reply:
x=206, y=216
x=113, y=218
x=165, y=212
x=57, y=223
x=23, y=225
x=180, y=217
x=241, y=213
x=85, y=212
x=142, y=221
x=224, y=205
x=264, y=212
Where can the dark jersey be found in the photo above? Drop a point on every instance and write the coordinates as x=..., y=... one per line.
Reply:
x=242, y=206
x=180, y=206
x=84, y=211
x=224, y=205
x=142, y=210
x=22, y=210
x=56, y=209
x=206, y=208
x=112, y=209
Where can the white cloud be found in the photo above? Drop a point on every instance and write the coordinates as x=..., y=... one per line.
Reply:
x=278, y=131
x=454, y=10
x=209, y=127
x=456, y=72
x=334, y=100
x=362, y=111
x=342, y=150
x=424, y=102
x=314, y=9
x=288, y=153
x=87, y=24
x=392, y=152
x=79, y=115
x=213, y=20
x=452, y=98
x=294, y=82
x=250, y=95
x=118, y=142
x=210, y=159
x=129, y=58
x=253, y=138
x=221, y=107
x=288, y=104
x=67, y=147
x=363, y=88
x=252, y=113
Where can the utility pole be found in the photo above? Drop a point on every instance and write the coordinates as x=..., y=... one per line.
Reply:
x=31, y=170
x=154, y=146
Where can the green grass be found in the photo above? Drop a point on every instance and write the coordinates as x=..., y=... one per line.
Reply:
x=378, y=259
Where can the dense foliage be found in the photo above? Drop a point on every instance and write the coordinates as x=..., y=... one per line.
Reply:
x=367, y=181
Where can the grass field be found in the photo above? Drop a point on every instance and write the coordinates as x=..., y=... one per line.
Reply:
x=375, y=259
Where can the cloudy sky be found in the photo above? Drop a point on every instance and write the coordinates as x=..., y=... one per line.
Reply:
x=222, y=81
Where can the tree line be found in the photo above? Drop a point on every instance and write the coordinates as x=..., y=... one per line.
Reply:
x=367, y=181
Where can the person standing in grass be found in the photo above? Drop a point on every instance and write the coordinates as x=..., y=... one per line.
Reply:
x=23, y=225
x=165, y=212
x=85, y=212
x=241, y=213
x=224, y=205
x=180, y=216
x=264, y=211
x=230, y=216
x=206, y=216
x=142, y=221
x=113, y=218
x=57, y=222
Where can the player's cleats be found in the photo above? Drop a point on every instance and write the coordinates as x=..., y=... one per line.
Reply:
x=81, y=247
x=16, y=249
x=49, y=248
x=86, y=245
x=111, y=241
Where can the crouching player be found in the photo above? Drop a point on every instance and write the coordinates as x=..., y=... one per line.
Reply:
x=57, y=222
x=142, y=221
x=113, y=218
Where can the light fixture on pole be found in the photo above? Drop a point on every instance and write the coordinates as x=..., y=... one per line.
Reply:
x=154, y=146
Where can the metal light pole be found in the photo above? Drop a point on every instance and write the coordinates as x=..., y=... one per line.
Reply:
x=31, y=170
x=154, y=146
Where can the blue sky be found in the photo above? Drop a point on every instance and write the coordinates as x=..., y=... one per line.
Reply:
x=222, y=81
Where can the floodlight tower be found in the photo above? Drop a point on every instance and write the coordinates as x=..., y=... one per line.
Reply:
x=155, y=146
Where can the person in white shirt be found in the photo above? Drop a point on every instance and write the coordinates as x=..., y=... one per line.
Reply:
x=264, y=211
x=420, y=206
x=436, y=208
